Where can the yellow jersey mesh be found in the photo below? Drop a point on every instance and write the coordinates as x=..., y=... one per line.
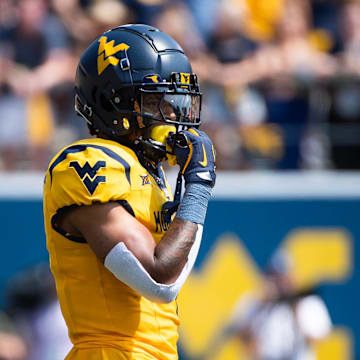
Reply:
x=101, y=311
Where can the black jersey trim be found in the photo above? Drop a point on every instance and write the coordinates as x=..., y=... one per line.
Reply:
x=59, y=212
x=80, y=239
x=126, y=206
x=83, y=147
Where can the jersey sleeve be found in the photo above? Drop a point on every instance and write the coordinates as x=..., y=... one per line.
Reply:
x=87, y=177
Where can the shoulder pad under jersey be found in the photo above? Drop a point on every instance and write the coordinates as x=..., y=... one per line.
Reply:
x=84, y=174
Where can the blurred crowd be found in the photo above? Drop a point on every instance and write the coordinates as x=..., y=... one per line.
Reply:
x=31, y=324
x=280, y=78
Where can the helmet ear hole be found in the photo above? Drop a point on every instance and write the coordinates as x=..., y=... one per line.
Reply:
x=123, y=100
x=105, y=103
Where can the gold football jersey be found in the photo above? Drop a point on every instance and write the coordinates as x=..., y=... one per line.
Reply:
x=101, y=312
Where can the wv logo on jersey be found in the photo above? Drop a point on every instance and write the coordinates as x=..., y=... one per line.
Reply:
x=106, y=51
x=87, y=174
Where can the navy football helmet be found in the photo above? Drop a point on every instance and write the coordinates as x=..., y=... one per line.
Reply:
x=132, y=77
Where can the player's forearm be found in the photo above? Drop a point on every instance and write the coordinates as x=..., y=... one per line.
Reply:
x=160, y=276
x=171, y=254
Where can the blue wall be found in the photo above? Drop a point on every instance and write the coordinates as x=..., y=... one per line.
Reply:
x=23, y=238
x=261, y=225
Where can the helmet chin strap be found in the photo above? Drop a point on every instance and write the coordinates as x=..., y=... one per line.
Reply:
x=150, y=149
x=154, y=152
x=152, y=142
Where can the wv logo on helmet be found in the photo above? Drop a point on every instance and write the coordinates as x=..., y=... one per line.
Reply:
x=106, y=53
x=87, y=174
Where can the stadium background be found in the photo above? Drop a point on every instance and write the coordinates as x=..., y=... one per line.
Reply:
x=314, y=215
x=282, y=103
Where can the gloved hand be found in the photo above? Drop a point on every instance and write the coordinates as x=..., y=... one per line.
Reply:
x=195, y=154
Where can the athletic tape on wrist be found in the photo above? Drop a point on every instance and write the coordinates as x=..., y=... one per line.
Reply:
x=194, y=203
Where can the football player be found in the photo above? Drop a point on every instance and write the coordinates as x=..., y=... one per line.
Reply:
x=118, y=252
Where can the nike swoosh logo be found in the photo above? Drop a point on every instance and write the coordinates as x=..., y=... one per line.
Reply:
x=204, y=175
x=204, y=162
